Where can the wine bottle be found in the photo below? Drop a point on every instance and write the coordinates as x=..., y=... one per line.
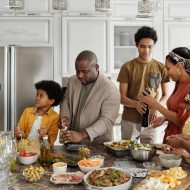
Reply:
x=145, y=116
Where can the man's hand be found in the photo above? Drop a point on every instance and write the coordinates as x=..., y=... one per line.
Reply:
x=65, y=122
x=74, y=136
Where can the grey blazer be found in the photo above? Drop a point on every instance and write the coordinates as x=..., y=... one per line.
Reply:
x=100, y=110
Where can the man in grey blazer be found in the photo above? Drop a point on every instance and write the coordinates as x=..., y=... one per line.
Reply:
x=91, y=103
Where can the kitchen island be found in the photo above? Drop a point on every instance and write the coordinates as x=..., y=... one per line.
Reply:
x=17, y=181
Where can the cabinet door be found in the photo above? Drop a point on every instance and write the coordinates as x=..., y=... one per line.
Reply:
x=176, y=35
x=176, y=9
x=124, y=9
x=27, y=31
x=81, y=34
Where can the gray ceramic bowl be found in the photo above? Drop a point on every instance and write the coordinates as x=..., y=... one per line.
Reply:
x=142, y=155
x=170, y=160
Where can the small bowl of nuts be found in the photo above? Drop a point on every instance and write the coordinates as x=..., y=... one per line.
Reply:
x=33, y=174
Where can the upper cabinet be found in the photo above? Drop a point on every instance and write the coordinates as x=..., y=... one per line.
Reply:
x=176, y=24
x=28, y=31
x=123, y=9
x=176, y=34
x=176, y=9
x=25, y=5
x=85, y=33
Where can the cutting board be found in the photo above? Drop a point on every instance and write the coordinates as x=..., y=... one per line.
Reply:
x=185, y=183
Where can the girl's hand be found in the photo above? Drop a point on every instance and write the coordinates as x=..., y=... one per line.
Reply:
x=181, y=152
x=148, y=99
x=158, y=121
x=174, y=141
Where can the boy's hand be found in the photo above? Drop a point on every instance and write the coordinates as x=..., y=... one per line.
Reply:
x=18, y=132
x=140, y=107
x=42, y=132
x=65, y=122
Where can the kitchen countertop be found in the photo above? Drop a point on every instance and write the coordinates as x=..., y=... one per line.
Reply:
x=17, y=181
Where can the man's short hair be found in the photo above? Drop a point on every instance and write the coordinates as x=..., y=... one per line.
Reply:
x=88, y=56
x=145, y=32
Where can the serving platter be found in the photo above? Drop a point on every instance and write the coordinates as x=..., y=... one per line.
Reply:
x=67, y=178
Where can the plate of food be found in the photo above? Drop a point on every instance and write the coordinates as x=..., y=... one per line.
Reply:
x=108, y=179
x=67, y=178
x=118, y=148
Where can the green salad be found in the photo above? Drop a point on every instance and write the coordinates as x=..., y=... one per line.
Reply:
x=107, y=177
x=145, y=147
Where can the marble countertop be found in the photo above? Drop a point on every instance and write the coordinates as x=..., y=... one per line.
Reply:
x=17, y=181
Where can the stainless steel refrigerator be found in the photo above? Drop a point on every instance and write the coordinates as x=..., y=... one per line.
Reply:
x=20, y=68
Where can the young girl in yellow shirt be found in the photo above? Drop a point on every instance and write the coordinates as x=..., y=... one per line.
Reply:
x=41, y=119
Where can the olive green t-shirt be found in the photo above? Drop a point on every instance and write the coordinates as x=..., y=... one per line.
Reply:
x=140, y=76
x=85, y=90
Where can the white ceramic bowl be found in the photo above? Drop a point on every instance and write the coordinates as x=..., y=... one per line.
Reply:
x=124, y=186
x=86, y=169
x=27, y=160
x=170, y=160
x=59, y=167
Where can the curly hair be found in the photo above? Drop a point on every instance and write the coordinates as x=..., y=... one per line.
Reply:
x=52, y=88
x=145, y=32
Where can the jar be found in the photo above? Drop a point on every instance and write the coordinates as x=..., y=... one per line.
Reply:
x=125, y=39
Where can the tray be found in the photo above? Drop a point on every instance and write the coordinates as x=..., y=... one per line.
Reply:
x=116, y=152
x=66, y=180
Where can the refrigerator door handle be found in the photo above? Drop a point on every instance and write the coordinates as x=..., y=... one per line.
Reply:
x=13, y=82
x=6, y=82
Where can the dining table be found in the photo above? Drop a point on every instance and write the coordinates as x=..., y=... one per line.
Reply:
x=18, y=182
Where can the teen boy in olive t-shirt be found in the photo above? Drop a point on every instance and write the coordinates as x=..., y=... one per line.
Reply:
x=137, y=75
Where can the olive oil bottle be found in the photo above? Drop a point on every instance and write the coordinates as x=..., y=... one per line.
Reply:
x=45, y=152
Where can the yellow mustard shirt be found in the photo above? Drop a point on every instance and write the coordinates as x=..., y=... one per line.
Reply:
x=49, y=120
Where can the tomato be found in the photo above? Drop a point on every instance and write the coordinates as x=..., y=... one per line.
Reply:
x=22, y=153
x=28, y=154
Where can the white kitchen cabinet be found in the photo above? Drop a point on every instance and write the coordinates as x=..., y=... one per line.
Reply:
x=176, y=9
x=85, y=33
x=123, y=43
x=30, y=31
x=176, y=34
x=122, y=9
